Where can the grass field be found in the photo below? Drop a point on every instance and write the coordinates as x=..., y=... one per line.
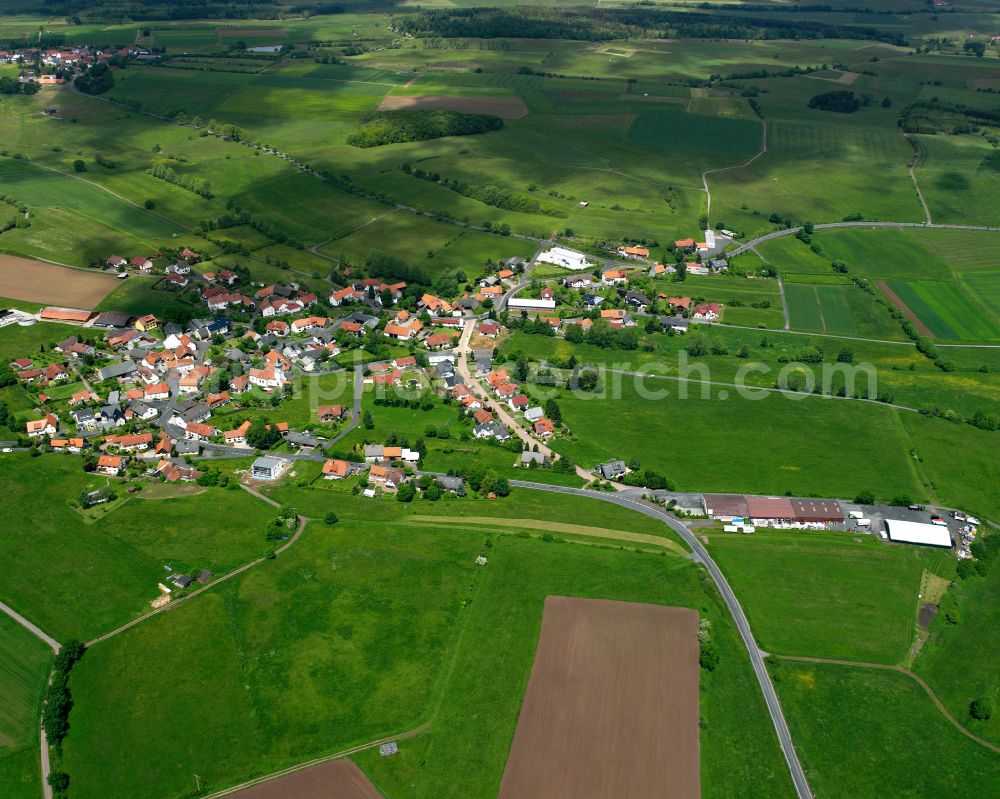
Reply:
x=24, y=666
x=20, y=775
x=842, y=717
x=814, y=446
x=955, y=659
x=79, y=580
x=828, y=595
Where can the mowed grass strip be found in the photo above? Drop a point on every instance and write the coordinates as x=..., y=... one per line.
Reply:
x=947, y=312
x=870, y=733
x=24, y=669
x=828, y=595
x=563, y=527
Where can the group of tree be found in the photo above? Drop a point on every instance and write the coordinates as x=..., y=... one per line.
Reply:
x=393, y=127
x=637, y=21
x=9, y=85
x=58, y=700
x=199, y=186
x=841, y=101
x=96, y=80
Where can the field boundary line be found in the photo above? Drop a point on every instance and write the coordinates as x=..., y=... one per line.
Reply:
x=303, y=520
x=915, y=677
x=32, y=628
x=918, y=154
x=846, y=338
x=317, y=761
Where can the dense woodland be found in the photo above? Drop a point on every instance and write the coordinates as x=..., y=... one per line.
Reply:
x=393, y=127
x=605, y=25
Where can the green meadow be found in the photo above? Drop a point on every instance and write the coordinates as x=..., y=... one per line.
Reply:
x=826, y=594
x=24, y=669
x=80, y=579
x=843, y=718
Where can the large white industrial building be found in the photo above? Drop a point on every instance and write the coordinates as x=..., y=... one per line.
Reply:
x=933, y=535
x=560, y=256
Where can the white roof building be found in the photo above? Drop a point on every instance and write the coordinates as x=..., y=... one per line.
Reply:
x=560, y=256
x=918, y=533
x=531, y=305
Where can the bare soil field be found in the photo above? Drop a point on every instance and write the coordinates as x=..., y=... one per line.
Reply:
x=902, y=306
x=334, y=779
x=38, y=281
x=611, y=707
x=503, y=107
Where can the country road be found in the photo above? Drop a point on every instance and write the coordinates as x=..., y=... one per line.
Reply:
x=732, y=604
x=707, y=172
x=36, y=631
x=777, y=234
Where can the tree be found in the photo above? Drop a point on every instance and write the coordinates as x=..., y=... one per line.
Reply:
x=865, y=498
x=330, y=518
x=981, y=708
x=433, y=492
x=552, y=411
x=708, y=656
x=259, y=436
x=966, y=569
x=846, y=355
x=79, y=165
x=574, y=334
x=405, y=493
x=59, y=781
x=368, y=420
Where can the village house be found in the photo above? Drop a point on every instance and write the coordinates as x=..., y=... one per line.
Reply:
x=388, y=478
x=111, y=465
x=709, y=311
x=237, y=436
x=543, y=428
x=633, y=252
x=336, y=469
x=136, y=442
x=329, y=413
x=47, y=426
x=196, y=431
x=614, y=277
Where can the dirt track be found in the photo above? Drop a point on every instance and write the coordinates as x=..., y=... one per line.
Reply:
x=503, y=107
x=611, y=708
x=334, y=779
x=904, y=308
x=38, y=281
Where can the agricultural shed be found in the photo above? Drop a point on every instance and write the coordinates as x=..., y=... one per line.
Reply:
x=918, y=533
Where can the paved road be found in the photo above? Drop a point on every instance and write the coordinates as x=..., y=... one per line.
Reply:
x=732, y=604
x=777, y=234
x=490, y=402
x=359, y=388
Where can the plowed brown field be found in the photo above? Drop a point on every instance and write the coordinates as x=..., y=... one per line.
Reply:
x=611, y=708
x=38, y=281
x=334, y=779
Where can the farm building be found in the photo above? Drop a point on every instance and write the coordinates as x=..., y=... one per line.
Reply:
x=560, y=256
x=53, y=314
x=726, y=507
x=932, y=535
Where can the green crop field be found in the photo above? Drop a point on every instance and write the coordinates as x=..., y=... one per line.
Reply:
x=823, y=594
x=842, y=718
x=823, y=308
x=947, y=312
x=20, y=774
x=24, y=668
x=707, y=136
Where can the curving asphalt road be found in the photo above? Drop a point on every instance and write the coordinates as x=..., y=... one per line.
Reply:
x=732, y=604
